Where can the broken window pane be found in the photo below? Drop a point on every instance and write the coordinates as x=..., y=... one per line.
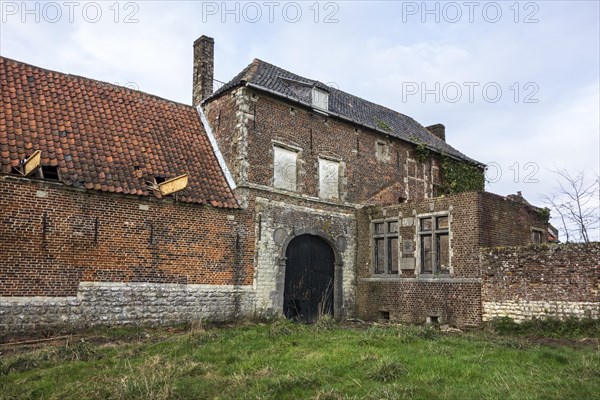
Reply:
x=393, y=255
x=328, y=179
x=443, y=253
x=426, y=254
x=393, y=227
x=442, y=223
x=426, y=224
x=284, y=168
x=379, y=256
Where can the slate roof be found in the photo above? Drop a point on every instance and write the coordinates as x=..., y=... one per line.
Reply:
x=105, y=137
x=271, y=78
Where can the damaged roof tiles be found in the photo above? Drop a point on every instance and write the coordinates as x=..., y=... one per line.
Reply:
x=105, y=137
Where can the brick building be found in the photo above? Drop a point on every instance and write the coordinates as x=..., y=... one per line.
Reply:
x=301, y=199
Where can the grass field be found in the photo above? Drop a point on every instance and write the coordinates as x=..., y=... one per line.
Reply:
x=281, y=360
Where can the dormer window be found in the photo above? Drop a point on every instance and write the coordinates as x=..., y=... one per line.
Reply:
x=320, y=99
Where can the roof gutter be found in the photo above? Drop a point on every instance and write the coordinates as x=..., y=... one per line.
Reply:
x=342, y=117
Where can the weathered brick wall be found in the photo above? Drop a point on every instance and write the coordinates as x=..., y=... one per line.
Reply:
x=453, y=302
x=526, y=282
x=246, y=122
x=228, y=123
x=53, y=238
x=505, y=222
x=477, y=219
x=411, y=297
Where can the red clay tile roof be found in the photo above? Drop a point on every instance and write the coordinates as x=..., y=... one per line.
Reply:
x=105, y=137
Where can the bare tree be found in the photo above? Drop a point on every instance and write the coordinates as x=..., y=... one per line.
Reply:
x=576, y=201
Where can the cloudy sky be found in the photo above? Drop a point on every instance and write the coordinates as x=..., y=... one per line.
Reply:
x=516, y=83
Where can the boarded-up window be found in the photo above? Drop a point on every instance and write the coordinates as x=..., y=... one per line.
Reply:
x=329, y=172
x=284, y=168
x=320, y=99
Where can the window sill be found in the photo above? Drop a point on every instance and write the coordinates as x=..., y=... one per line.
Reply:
x=419, y=278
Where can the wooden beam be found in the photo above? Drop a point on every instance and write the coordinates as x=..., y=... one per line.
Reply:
x=173, y=185
x=32, y=163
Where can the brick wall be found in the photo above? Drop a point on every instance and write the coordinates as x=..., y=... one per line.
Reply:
x=411, y=297
x=53, y=238
x=246, y=122
x=476, y=220
x=505, y=222
x=526, y=282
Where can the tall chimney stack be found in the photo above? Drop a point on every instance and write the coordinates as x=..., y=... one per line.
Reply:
x=204, y=64
x=438, y=130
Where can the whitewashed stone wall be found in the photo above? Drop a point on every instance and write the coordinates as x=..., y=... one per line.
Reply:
x=524, y=310
x=101, y=303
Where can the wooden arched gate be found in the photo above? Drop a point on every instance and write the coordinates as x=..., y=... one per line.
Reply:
x=309, y=275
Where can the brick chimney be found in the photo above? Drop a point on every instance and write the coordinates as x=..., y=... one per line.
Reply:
x=204, y=64
x=438, y=130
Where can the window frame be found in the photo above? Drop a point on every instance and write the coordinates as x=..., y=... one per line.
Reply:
x=537, y=231
x=385, y=237
x=435, y=233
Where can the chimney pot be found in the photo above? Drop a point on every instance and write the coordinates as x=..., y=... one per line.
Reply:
x=204, y=60
x=438, y=130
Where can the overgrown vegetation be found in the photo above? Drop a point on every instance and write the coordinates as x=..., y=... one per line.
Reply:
x=457, y=176
x=283, y=360
x=382, y=124
x=544, y=214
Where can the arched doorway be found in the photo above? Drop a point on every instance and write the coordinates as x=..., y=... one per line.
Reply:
x=309, y=279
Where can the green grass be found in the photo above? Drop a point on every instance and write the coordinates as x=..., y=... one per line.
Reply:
x=281, y=360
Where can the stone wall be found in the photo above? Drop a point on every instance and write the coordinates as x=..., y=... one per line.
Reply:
x=536, y=282
x=104, y=303
x=278, y=223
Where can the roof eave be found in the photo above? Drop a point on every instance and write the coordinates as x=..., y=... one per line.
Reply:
x=342, y=117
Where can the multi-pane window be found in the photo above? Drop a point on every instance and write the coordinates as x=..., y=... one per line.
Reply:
x=385, y=247
x=329, y=175
x=435, y=245
x=284, y=168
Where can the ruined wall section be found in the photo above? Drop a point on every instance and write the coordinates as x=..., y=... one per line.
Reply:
x=536, y=282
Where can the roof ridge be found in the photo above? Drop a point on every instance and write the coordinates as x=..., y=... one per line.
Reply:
x=96, y=81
